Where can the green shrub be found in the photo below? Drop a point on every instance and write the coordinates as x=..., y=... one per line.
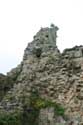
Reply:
x=39, y=103
x=30, y=113
x=13, y=118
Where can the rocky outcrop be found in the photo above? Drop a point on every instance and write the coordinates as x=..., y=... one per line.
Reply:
x=48, y=85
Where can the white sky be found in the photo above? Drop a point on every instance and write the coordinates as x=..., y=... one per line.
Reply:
x=21, y=19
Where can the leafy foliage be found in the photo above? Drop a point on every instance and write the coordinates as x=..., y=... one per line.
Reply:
x=42, y=103
x=30, y=113
x=39, y=103
x=13, y=118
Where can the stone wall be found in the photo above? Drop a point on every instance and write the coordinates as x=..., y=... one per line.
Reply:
x=56, y=76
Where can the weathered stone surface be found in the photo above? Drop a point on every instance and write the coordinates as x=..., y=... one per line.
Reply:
x=56, y=76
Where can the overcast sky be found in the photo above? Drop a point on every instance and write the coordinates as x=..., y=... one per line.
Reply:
x=21, y=19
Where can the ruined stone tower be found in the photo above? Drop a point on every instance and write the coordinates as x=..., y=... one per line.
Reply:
x=47, y=85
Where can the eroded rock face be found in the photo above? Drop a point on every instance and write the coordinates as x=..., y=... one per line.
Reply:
x=47, y=117
x=56, y=76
